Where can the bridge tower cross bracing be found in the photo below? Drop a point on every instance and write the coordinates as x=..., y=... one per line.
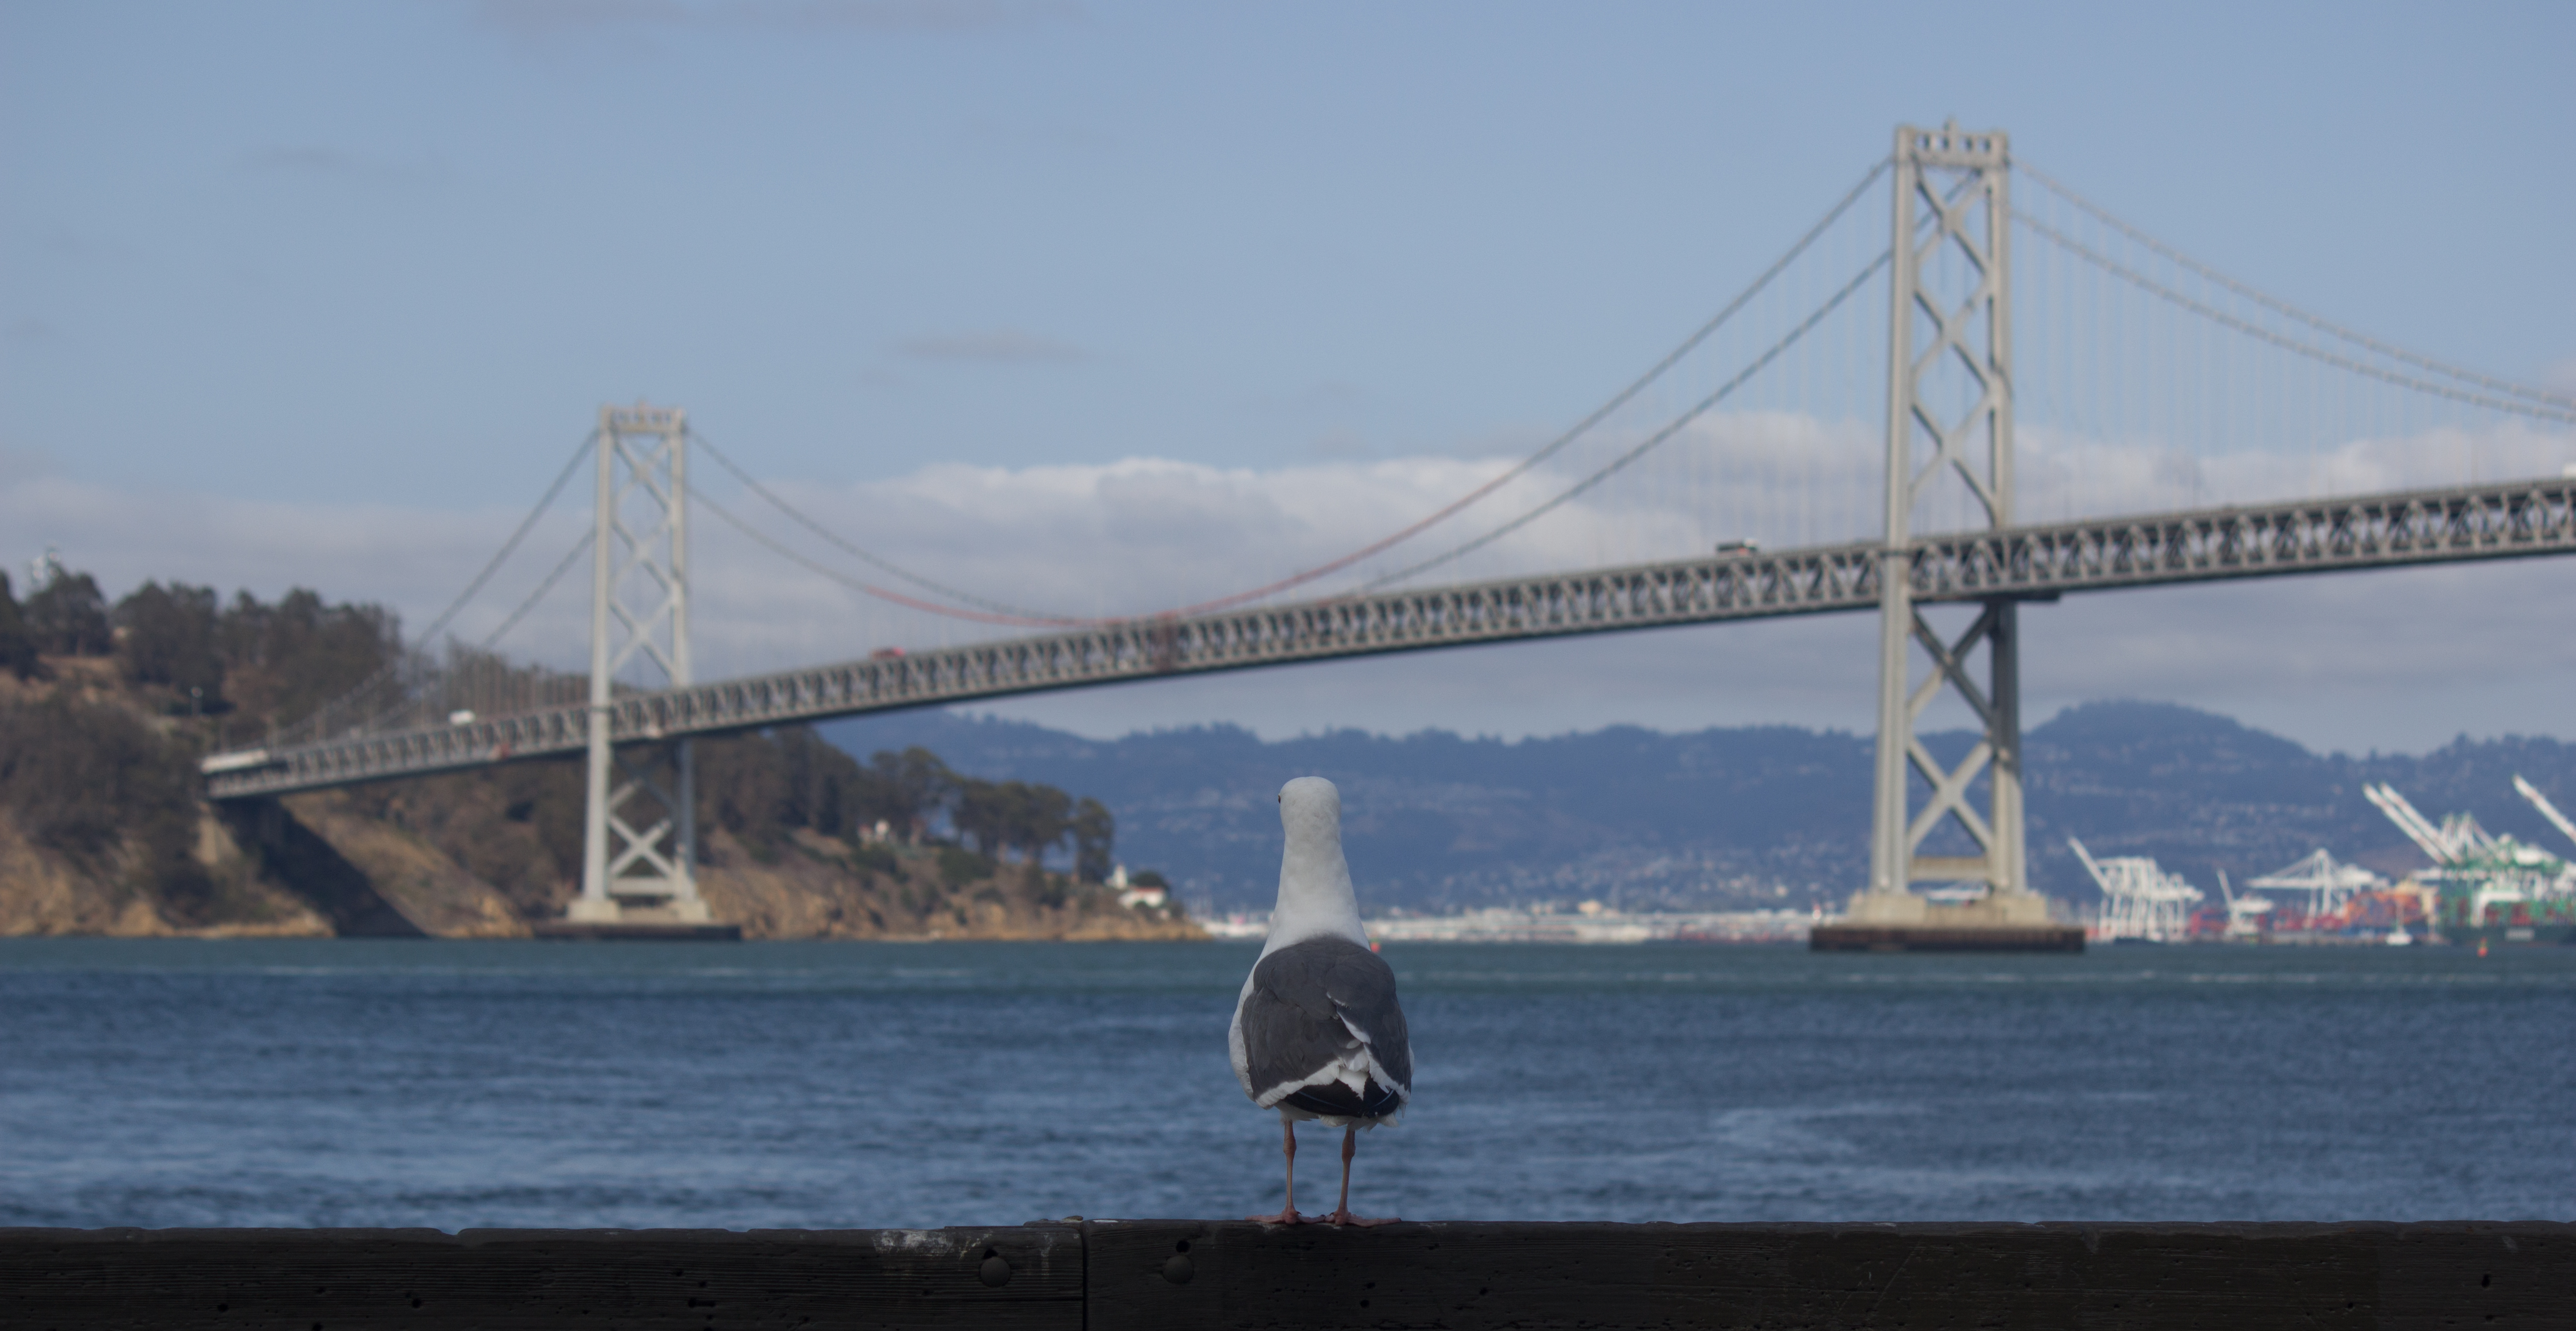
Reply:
x=1949, y=432
x=639, y=832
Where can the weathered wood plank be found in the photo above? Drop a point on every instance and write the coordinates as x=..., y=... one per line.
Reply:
x=1210, y=1276
x=1215, y=1276
x=554, y=1280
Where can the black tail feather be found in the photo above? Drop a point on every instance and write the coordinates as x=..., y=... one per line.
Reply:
x=1340, y=1101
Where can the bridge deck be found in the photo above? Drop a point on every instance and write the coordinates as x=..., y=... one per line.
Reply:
x=2504, y=520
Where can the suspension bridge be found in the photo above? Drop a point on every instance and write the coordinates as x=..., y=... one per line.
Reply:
x=2285, y=444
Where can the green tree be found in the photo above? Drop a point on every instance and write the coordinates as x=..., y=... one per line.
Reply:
x=911, y=788
x=982, y=814
x=68, y=617
x=88, y=779
x=759, y=788
x=742, y=788
x=1004, y=816
x=1095, y=835
x=282, y=662
x=1044, y=817
x=824, y=785
x=169, y=639
x=17, y=645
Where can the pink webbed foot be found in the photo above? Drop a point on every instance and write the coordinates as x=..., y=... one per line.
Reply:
x=1346, y=1218
x=1286, y=1216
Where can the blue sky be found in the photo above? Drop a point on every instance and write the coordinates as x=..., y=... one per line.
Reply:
x=367, y=270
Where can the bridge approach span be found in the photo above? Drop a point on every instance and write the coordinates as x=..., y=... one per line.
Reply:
x=2504, y=520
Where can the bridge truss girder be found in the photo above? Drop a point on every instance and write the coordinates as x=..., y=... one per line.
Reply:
x=2504, y=520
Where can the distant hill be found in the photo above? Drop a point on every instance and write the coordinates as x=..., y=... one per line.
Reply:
x=1732, y=817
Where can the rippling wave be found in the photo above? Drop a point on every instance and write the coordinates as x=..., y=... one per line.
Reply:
x=460, y=1085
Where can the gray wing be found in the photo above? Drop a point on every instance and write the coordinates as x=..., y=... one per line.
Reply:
x=1301, y=994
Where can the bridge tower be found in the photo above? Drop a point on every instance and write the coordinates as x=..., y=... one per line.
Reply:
x=1949, y=448
x=639, y=832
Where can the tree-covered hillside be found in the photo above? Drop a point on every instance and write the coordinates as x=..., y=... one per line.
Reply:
x=106, y=709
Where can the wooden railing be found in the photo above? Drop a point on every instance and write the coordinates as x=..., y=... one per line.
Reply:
x=1203, y=1275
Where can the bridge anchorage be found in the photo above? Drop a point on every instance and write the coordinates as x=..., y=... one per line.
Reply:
x=1947, y=573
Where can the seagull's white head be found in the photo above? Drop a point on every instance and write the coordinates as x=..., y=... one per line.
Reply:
x=1314, y=880
x=1309, y=804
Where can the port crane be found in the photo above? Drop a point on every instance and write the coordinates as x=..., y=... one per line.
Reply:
x=2455, y=842
x=2328, y=882
x=2140, y=901
x=2500, y=877
x=2541, y=802
x=2245, y=911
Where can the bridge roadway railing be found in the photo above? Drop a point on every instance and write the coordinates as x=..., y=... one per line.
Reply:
x=2494, y=521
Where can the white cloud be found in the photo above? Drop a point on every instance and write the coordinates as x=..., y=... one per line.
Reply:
x=2063, y=477
x=2391, y=660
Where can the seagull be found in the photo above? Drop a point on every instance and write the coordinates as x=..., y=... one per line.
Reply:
x=1317, y=1033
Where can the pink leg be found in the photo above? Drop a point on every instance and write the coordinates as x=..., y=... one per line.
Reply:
x=1288, y=1207
x=1342, y=1214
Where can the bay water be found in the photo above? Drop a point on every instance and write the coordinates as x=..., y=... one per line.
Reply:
x=471, y=1084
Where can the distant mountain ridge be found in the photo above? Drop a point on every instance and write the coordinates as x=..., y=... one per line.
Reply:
x=1725, y=817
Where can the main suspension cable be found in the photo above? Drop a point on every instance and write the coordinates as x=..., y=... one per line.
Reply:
x=1580, y=428
x=508, y=547
x=391, y=669
x=2536, y=410
x=1621, y=462
x=570, y=556
x=1013, y=619
x=2282, y=307
x=997, y=612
